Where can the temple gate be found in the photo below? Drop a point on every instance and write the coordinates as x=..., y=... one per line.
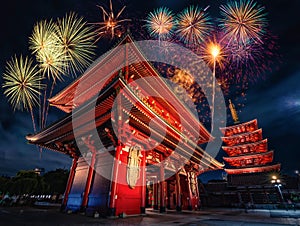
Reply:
x=139, y=163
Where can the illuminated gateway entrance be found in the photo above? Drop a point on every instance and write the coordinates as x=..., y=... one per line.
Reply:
x=139, y=163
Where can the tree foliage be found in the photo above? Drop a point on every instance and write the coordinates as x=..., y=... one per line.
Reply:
x=29, y=182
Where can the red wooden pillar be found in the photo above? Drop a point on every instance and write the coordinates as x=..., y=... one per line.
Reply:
x=178, y=192
x=143, y=181
x=162, y=208
x=168, y=195
x=116, y=161
x=190, y=207
x=114, y=182
x=155, y=194
x=88, y=181
x=69, y=183
x=198, y=193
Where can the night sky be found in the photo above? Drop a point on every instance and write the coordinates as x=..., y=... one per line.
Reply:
x=274, y=101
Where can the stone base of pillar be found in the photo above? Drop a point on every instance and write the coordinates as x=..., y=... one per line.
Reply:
x=162, y=209
x=178, y=208
x=63, y=208
x=112, y=212
x=82, y=209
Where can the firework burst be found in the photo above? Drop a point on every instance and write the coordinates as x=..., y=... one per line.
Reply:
x=43, y=38
x=51, y=56
x=193, y=25
x=22, y=85
x=53, y=63
x=249, y=63
x=243, y=21
x=110, y=22
x=160, y=23
x=241, y=54
x=77, y=40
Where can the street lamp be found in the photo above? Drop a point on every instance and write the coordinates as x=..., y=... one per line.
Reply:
x=277, y=183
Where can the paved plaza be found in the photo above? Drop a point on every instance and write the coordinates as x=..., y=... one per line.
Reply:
x=15, y=216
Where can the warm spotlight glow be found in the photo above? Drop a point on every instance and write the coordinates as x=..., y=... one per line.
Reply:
x=215, y=50
x=213, y=53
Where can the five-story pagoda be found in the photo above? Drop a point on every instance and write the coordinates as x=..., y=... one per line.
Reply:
x=246, y=149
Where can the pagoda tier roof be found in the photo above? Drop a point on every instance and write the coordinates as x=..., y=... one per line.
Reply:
x=250, y=160
x=240, y=128
x=255, y=169
x=244, y=138
x=249, y=156
x=256, y=147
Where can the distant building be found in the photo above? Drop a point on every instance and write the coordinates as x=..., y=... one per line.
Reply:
x=249, y=169
x=39, y=171
x=248, y=156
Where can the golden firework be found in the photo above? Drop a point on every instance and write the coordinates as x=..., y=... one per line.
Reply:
x=43, y=37
x=193, y=25
x=22, y=83
x=77, y=40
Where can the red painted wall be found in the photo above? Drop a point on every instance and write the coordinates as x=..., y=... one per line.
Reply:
x=128, y=200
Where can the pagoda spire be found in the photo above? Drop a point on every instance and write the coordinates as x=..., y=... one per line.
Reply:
x=234, y=114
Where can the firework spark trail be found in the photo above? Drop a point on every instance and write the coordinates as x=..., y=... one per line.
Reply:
x=50, y=56
x=66, y=46
x=53, y=65
x=193, y=25
x=249, y=63
x=74, y=52
x=160, y=23
x=22, y=84
x=243, y=21
x=110, y=22
x=41, y=42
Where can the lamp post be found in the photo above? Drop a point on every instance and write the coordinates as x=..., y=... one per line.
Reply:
x=298, y=177
x=215, y=51
x=277, y=183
